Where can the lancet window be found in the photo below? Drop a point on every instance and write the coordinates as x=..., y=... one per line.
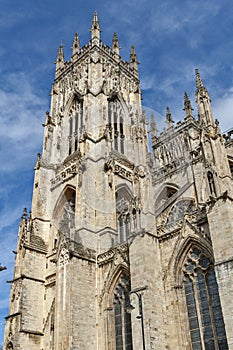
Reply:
x=207, y=329
x=67, y=213
x=75, y=124
x=211, y=183
x=123, y=199
x=116, y=123
x=123, y=330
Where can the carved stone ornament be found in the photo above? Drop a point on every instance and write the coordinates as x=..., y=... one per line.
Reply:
x=117, y=255
x=95, y=56
x=64, y=257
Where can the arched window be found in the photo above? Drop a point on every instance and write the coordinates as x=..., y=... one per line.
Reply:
x=165, y=194
x=123, y=200
x=116, y=123
x=64, y=213
x=207, y=329
x=75, y=124
x=123, y=330
x=212, y=188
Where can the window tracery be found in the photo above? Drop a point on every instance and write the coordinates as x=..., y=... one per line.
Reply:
x=212, y=188
x=207, y=329
x=123, y=200
x=75, y=124
x=67, y=214
x=116, y=123
x=123, y=329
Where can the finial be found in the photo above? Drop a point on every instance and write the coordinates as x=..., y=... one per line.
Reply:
x=200, y=86
x=95, y=28
x=60, y=58
x=133, y=59
x=115, y=44
x=60, y=55
x=187, y=106
x=24, y=213
x=169, y=119
x=76, y=44
x=205, y=115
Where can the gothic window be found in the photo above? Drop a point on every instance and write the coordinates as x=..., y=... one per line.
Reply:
x=207, y=329
x=116, y=123
x=66, y=216
x=165, y=195
x=75, y=124
x=123, y=199
x=210, y=178
x=123, y=330
x=178, y=210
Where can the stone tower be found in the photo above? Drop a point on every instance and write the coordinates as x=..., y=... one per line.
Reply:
x=112, y=225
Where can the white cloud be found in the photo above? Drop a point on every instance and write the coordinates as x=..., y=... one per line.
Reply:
x=21, y=116
x=223, y=110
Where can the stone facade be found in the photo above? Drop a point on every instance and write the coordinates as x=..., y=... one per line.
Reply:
x=112, y=224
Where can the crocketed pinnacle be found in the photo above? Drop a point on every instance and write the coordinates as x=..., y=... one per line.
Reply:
x=95, y=28
x=76, y=44
x=115, y=44
x=169, y=119
x=60, y=55
x=187, y=106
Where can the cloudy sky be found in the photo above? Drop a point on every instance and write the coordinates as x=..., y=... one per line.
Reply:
x=171, y=37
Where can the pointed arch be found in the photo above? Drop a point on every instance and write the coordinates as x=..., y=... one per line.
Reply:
x=185, y=247
x=124, y=190
x=123, y=211
x=179, y=208
x=74, y=112
x=119, y=321
x=117, y=114
x=118, y=96
x=165, y=193
x=120, y=269
x=65, y=195
x=195, y=271
x=64, y=211
x=75, y=95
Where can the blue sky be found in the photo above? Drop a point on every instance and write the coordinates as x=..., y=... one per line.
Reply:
x=171, y=37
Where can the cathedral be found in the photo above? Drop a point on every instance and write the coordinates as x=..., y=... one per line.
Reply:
x=129, y=241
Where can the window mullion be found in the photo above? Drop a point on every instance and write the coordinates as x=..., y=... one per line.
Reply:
x=212, y=316
x=198, y=313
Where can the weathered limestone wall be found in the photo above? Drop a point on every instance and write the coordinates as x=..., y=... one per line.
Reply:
x=75, y=324
x=221, y=231
x=145, y=268
x=83, y=305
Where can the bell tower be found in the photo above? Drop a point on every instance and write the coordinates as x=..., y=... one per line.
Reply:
x=95, y=139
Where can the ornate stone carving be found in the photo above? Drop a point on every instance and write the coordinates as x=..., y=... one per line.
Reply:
x=64, y=257
x=119, y=166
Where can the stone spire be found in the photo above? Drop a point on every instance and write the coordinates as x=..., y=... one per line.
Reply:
x=153, y=128
x=60, y=58
x=187, y=106
x=169, y=119
x=205, y=116
x=133, y=59
x=76, y=45
x=95, y=28
x=115, y=45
